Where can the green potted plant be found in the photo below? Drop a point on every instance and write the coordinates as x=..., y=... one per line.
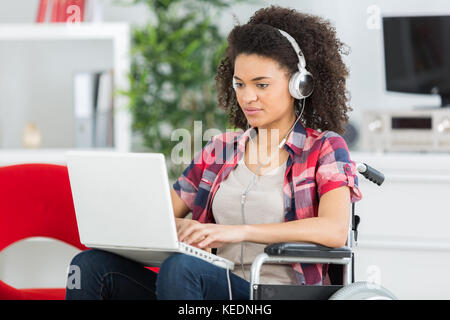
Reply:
x=174, y=61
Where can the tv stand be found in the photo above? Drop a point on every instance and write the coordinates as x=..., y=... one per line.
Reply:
x=445, y=100
x=445, y=103
x=427, y=107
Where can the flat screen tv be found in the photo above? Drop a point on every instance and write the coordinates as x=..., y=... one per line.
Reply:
x=417, y=55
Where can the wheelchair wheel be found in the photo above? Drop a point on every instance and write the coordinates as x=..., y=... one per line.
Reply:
x=363, y=291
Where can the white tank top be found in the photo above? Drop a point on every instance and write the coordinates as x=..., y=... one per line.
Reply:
x=264, y=204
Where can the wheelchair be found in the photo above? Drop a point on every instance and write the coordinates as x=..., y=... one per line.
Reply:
x=340, y=270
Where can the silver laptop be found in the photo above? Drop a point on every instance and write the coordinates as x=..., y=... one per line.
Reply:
x=123, y=205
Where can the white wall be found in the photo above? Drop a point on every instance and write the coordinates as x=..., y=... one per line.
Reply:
x=25, y=11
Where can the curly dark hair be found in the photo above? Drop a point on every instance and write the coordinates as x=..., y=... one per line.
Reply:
x=326, y=108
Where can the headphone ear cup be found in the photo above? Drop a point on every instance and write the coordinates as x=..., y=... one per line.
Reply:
x=301, y=84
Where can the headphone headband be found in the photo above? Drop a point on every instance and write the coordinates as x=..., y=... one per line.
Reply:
x=301, y=84
x=298, y=51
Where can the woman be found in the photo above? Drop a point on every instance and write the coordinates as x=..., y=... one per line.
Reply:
x=286, y=178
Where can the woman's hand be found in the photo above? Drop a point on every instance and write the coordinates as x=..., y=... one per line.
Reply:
x=208, y=235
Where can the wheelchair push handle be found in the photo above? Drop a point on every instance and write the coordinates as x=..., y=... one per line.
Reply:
x=370, y=173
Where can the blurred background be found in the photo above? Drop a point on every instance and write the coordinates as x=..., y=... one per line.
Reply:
x=122, y=75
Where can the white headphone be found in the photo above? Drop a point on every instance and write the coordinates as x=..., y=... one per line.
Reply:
x=301, y=84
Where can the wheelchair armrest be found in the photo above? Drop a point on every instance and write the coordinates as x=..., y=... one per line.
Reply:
x=305, y=249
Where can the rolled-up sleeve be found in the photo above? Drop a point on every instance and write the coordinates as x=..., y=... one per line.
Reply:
x=186, y=185
x=335, y=168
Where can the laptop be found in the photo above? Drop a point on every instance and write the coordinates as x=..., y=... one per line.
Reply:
x=123, y=205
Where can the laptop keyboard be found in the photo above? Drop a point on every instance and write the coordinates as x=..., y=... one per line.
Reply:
x=202, y=254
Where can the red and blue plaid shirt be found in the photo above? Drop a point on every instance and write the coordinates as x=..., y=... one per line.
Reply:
x=318, y=162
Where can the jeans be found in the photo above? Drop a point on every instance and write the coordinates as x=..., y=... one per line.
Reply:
x=104, y=275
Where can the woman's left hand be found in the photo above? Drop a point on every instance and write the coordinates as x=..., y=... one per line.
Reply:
x=210, y=235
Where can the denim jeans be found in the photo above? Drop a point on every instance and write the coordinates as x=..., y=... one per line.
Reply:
x=105, y=275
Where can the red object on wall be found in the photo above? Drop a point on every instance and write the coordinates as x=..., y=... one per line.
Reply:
x=55, y=10
x=36, y=201
x=42, y=10
x=72, y=13
x=67, y=11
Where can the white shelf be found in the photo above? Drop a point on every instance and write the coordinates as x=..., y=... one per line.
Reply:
x=118, y=33
x=62, y=31
x=52, y=156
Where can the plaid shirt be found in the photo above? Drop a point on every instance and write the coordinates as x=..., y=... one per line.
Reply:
x=318, y=162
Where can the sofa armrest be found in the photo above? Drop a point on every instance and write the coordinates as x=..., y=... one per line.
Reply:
x=305, y=249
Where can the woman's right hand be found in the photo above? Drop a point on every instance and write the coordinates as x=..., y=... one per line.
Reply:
x=182, y=224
